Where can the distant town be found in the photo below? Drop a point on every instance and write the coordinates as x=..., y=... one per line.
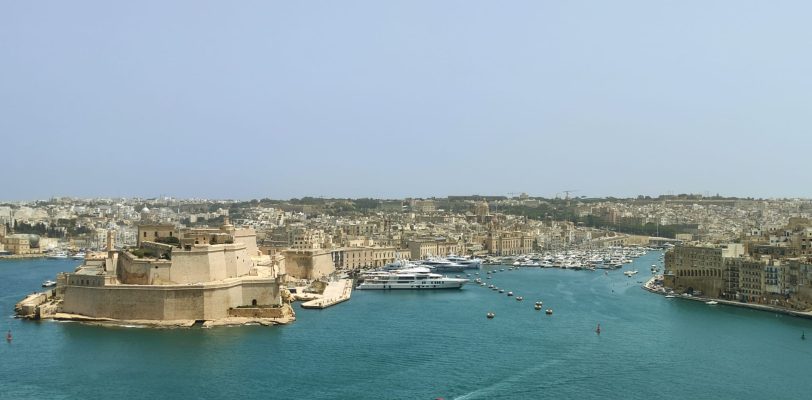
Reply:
x=738, y=249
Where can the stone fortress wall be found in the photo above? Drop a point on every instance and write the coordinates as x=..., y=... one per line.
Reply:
x=170, y=302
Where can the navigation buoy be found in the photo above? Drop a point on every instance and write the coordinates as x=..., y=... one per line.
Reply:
x=598, y=329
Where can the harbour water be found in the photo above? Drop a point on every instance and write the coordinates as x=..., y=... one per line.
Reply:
x=424, y=345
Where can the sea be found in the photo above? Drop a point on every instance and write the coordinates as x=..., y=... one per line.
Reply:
x=425, y=345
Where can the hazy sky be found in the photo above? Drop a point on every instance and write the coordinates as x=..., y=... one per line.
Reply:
x=404, y=98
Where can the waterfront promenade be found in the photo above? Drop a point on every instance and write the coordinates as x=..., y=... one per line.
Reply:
x=649, y=285
x=336, y=292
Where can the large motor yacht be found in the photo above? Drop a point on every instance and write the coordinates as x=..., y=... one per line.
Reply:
x=412, y=278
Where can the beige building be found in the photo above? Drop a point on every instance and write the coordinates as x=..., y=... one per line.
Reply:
x=423, y=206
x=420, y=249
x=18, y=244
x=308, y=239
x=509, y=243
x=366, y=257
x=148, y=232
x=714, y=271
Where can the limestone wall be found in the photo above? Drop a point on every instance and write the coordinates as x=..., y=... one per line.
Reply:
x=261, y=312
x=209, y=263
x=249, y=238
x=155, y=302
x=142, y=271
x=308, y=264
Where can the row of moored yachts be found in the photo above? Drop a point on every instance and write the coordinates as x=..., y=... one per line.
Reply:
x=426, y=274
x=611, y=258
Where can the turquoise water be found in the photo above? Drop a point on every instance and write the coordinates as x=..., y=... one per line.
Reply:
x=424, y=345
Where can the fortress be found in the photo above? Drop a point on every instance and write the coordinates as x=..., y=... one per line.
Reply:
x=174, y=275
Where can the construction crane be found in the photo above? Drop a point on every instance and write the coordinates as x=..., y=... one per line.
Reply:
x=567, y=193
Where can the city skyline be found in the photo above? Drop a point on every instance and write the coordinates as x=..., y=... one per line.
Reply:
x=485, y=196
x=418, y=99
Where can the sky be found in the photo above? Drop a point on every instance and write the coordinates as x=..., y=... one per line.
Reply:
x=393, y=99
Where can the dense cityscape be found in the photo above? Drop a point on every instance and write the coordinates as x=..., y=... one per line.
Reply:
x=749, y=251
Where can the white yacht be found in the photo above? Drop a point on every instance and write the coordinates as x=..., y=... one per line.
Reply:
x=443, y=265
x=412, y=278
x=467, y=263
x=58, y=255
x=79, y=256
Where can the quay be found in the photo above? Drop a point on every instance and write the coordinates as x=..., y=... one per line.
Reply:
x=336, y=292
x=649, y=286
x=21, y=256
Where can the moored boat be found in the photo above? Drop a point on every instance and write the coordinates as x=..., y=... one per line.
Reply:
x=58, y=255
x=413, y=278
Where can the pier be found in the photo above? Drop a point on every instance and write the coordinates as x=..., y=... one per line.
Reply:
x=336, y=292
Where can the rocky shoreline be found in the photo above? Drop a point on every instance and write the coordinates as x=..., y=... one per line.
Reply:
x=168, y=324
x=42, y=306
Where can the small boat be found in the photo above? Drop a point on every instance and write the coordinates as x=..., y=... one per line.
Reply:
x=549, y=311
x=519, y=298
x=501, y=290
x=539, y=303
x=712, y=302
x=669, y=296
x=510, y=293
x=490, y=315
x=79, y=256
x=49, y=283
x=537, y=306
x=8, y=336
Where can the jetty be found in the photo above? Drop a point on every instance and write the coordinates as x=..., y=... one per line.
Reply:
x=336, y=292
